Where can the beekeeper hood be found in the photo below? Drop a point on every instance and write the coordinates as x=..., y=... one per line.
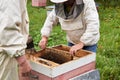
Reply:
x=58, y=1
x=75, y=12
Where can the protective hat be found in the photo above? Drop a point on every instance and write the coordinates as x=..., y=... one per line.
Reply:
x=58, y=1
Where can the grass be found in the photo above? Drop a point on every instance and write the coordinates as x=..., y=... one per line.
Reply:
x=108, y=54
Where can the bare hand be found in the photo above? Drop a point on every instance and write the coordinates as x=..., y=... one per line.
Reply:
x=76, y=47
x=43, y=42
x=24, y=68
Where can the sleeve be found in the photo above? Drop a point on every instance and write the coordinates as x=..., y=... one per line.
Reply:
x=51, y=20
x=12, y=39
x=91, y=22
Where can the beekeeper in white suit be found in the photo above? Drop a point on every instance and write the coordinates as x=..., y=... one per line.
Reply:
x=79, y=19
x=13, y=36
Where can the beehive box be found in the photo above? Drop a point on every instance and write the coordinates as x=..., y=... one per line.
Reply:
x=39, y=3
x=62, y=66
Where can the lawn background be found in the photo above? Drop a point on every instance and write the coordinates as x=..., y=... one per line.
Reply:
x=108, y=53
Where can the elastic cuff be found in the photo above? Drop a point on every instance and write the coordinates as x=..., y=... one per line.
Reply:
x=19, y=53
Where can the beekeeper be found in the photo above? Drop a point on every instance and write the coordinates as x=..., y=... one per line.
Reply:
x=79, y=19
x=13, y=36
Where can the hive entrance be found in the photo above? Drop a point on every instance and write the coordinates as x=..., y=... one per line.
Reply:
x=56, y=55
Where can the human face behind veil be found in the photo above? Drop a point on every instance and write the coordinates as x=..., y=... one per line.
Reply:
x=69, y=2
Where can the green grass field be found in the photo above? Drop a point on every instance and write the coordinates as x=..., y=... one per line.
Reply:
x=108, y=54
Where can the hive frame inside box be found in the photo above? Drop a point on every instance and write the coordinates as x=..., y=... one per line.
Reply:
x=87, y=61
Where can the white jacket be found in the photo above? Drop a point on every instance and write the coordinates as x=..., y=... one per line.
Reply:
x=13, y=36
x=84, y=28
x=14, y=26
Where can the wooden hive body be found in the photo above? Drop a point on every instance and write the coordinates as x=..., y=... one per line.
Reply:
x=49, y=69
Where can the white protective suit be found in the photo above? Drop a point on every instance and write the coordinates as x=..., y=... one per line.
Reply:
x=84, y=28
x=13, y=36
